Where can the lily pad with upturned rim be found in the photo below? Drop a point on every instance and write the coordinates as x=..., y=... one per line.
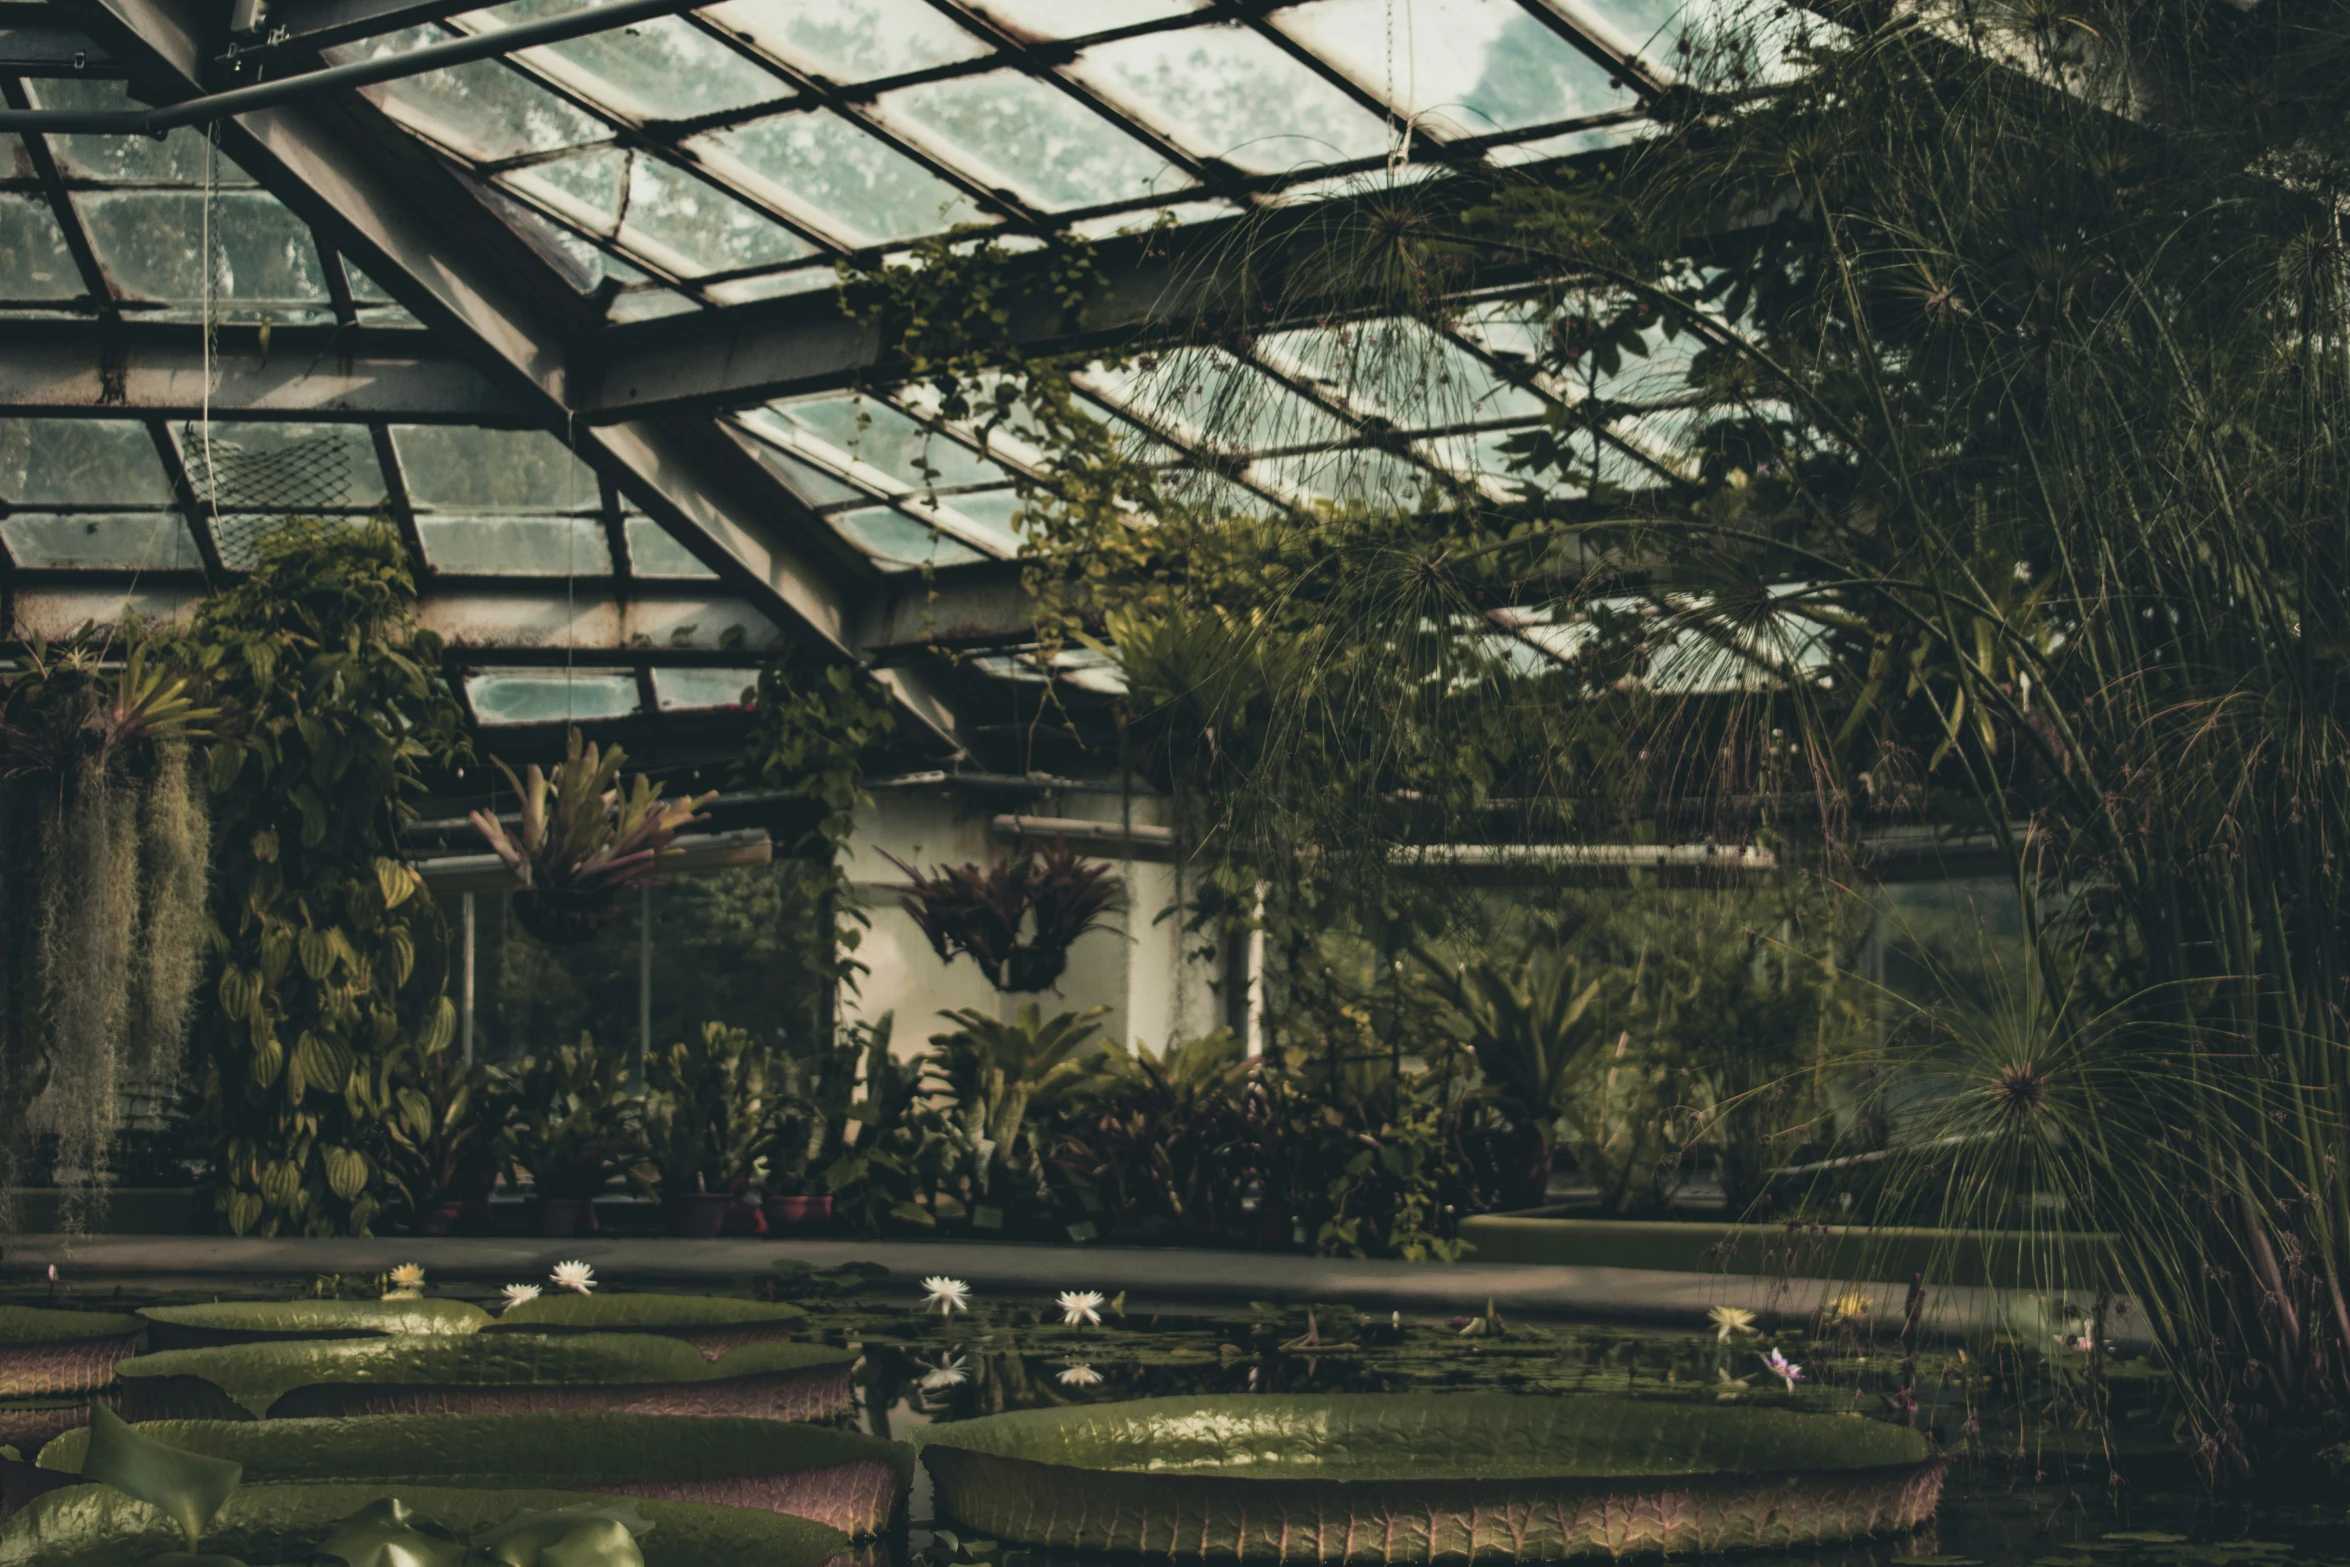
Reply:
x=501, y=1373
x=221, y=1322
x=95, y=1526
x=714, y=1324
x=1397, y=1477
x=844, y=1479
x=47, y=1353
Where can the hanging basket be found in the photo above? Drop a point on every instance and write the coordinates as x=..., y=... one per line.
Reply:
x=564, y=919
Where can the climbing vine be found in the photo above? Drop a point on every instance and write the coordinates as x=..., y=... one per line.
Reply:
x=331, y=953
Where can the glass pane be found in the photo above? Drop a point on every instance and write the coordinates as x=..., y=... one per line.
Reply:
x=1401, y=371
x=152, y=246
x=691, y=227
x=1474, y=66
x=483, y=109
x=654, y=552
x=649, y=305
x=1008, y=129
x=1354, y=475
x=34, y=263
x=453, y=465
x=536, y=546
x=1075, y=18
x=154, y=541
x=585, y=189
x=551, y=696
x=1206, y=395
x=690, y=688
x=812, y=485
x=855, y=186
x=946, y=513
x=897, y=540
x=80, y=462
x=874, y=433
x=1227, y=93
x=774, y=285
x=989, y=510
x=664, y=68
x=850, y=40
x=177, y=159
x=292, y=467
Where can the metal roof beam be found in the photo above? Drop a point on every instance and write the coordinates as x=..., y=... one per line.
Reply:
x=330, y=375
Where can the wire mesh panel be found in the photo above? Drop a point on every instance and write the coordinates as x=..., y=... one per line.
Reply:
x=254, y=493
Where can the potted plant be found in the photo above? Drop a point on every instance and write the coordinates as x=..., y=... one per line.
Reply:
x=583, y=839
x=574, y=1125
x=1018, y=921
x=997, y=1076
x=707, y=1120
x=437, y=1117
x=795, y=1136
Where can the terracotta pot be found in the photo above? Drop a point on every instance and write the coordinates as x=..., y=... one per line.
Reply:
x=700, y=1215
x=564, y=919
x=442, y=1219
x=797, y=1212
x=743, y=1218
x=559, y=1216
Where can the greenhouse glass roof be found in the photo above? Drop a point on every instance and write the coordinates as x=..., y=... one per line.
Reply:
x=567, y=313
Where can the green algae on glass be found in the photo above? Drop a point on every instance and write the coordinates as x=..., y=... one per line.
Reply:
x=1407, y=1477
x=249, y=1380
x=96, y=1526
x=259, y=1321
x=845, y=1479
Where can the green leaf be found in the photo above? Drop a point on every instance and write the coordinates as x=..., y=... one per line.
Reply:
x=338, y=1375
x=386, y=1533
x=1302, y=1476
x=571, y=1312
x=222, y=1322
x=188, y=1487
x=90, y=1526
x=843, y=1479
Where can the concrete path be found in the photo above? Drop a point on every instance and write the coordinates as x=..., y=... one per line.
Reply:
x=1169, y=1277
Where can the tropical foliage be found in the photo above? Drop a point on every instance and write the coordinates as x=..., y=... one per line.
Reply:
x=330, y=958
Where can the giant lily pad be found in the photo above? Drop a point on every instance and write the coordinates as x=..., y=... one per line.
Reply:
x=54, y=1354
x=96, y=1526
x=266, y=1321
x=714, y=1324
x=499, y=1373
x=849, y=1481
x=1397, y=1477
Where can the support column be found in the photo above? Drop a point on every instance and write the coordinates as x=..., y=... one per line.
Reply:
x=465, y=981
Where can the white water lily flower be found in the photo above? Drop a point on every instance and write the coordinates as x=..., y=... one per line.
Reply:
x=516, y=1294
x=948, y=1373
x=1080, y=1307
x=946, y=1296
x=408, y=1276
x=1079, y=1376
x=574, y=1276
x=1730, y=1319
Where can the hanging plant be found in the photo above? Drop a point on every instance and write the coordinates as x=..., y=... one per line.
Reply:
x=105, y=822
x=1018, y=921
x=583, y=839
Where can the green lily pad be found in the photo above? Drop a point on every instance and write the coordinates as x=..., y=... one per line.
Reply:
x=844, y=1479
x=53, y=1354
x=1398, y=1477
x=188, y=1487
x=640, y=1373
x=94, y=1526
x=715, y=1324
x=266, y=1321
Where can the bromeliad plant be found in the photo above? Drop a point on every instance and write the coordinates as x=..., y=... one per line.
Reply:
x=1017, y=921
x=998, y=1077
x=583, y=838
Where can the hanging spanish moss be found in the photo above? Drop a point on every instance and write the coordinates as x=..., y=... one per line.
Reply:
x=106, y=823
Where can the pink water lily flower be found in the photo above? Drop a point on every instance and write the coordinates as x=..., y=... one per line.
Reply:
x=1785, y=1370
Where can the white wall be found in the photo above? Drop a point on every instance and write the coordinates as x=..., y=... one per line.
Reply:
x=1136, y=967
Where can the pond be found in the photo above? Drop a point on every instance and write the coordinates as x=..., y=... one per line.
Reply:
x=2036, y=1436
